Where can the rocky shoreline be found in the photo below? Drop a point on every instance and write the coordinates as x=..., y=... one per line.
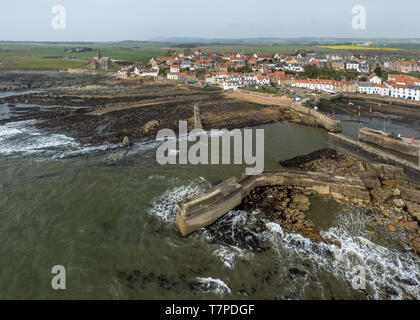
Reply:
x=394, y=201
x=98, y=110
x=17, y=81
x=287, y=207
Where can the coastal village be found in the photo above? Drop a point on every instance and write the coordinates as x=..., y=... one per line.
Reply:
x=374, y=75
x=319, y=150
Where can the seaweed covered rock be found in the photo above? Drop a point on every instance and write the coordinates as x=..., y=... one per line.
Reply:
x=285, y=206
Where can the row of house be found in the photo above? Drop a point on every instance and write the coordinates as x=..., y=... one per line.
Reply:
x=234, y=80
x=235, y=70
x=292, y=63
x=139, y=70
x=396, y=86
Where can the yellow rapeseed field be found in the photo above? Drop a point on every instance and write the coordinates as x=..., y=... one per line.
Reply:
x=350, y=47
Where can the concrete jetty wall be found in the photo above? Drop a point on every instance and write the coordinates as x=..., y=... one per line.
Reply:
x=320, y=119
x=315, y=117
x=379, y=99
x=412, y=169
x=209, y=206
x=197, y=118
x=206, y=208
x=405, y=146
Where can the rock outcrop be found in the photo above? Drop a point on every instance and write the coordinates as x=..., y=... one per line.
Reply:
x=383, y=189
x=285, y=206
x=392, y=197
x=206, y=208
x=126, y=142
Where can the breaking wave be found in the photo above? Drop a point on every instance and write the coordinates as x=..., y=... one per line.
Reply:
x=21, y=138
x=233, y=237
x=214, y=286
x=384, y=267
x=165, y=206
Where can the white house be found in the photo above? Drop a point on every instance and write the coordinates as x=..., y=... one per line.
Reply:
x=231, y=85
x=294, y=67
x=366, y=87
x=249, y=78
x=279, y=57
x=363, y=68
x=263, y=80
x=186, y=64
x=126, y=70
x=407, y=92
x=150, y=72
x=381, y=89
x=138, y=70
x=315, y=84
x=375, y=79
x=175, y=68
x=352, y=65
x=219, y=77
x=172, y=76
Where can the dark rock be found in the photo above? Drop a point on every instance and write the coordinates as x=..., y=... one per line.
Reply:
x=391, y=291
x=407, y=281
x=298, y=161
x=297, y=272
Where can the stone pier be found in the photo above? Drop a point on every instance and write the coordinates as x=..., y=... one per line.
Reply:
x=380, y=138
x=410, y=168
x=197, y=118
x=206, y=208
x=319, y=119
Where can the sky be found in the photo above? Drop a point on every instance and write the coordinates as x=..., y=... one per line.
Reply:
x=116, y=20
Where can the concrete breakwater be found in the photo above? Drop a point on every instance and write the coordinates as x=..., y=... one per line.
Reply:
x=380, y=138
x=206, y=208
x=197, y=118
x=309, y=116
x=320, y=119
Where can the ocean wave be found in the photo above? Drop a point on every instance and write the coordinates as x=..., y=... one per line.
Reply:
x=384, y=267
x=21, y=138
x=165, y=206
x=213, y=286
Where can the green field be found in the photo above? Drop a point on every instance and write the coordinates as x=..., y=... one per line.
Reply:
x=41, y=56
x=37, y=56
x=353, y=47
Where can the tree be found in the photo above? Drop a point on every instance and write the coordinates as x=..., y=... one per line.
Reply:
x=310, y=70
x=378, y=71
x=170, y=52
x=201, y=74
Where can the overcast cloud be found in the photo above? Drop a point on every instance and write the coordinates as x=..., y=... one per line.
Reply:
x=112, y=20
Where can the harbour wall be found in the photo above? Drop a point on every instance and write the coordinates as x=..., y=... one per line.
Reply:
x=206, y=208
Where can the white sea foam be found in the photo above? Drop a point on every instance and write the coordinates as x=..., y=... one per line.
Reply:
x=214, y=286
x=229, y=255
x=165, y=206
x=142, y=146
x=384, y=266
x=21, y=138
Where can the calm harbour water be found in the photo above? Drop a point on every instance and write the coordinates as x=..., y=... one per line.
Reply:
x=107, y=215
